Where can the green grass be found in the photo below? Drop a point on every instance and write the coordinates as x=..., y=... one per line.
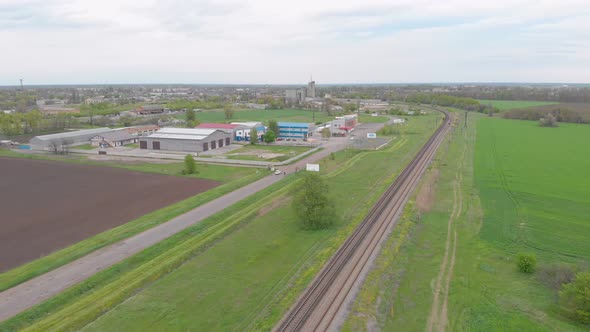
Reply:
x=248, y=279
x=85, y=147
x=504, y=105
x=536, y=187
x=487, y=293
x=251, y=152
x=290, y=115
x=364, y=118
x=132, y=146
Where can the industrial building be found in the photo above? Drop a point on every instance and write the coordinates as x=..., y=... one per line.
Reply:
x=295, y=130
x=299, y=95
x=113, y=139
x=71, y=138
x=186, y=139
x=243, y=132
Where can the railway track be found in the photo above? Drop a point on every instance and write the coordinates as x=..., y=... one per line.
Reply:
x=319, y=305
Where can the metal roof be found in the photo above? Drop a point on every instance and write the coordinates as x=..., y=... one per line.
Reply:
x=95, y=131
x=247, y=124
x=294, y=124
x=117, y=135
x=193, y=134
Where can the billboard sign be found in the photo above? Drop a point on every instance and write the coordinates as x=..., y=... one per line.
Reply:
x=312, y=167
x=371, y=135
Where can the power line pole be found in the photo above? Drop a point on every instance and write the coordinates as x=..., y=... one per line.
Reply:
x=21, y=84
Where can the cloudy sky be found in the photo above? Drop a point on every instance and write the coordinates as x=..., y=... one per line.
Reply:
x=276, y=41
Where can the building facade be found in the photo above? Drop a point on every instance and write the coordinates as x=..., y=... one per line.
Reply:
x=186, y=140
x=71, y=138
x=295, y=130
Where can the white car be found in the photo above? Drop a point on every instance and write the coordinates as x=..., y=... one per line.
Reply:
x=278, y=172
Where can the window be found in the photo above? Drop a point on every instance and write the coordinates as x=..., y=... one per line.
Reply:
x=220, y=142
x=213, y=146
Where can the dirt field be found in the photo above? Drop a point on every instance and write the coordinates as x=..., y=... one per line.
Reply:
x=46, y=206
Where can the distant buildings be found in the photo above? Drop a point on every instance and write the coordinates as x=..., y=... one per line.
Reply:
x=295, y=130
x=71, y=138
x=299, y=95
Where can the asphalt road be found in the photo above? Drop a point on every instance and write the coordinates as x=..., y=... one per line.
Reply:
x=43, y=287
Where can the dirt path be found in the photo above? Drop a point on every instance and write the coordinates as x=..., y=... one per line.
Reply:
x=438, y=318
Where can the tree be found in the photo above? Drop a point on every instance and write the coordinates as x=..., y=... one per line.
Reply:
x=326, y=133
x=189, y=165
x=270, y=136
x=274, y=126
x=574, y=298
x=549, y=120
x=526, y=262
x=312, y=205
x=190, y=118
x=33, y=119
x=229, y=111
x=253, y=135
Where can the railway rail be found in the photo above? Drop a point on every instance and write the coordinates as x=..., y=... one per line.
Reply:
x=319, y=305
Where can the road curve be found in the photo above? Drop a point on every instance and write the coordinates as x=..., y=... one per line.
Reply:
x=319, y=306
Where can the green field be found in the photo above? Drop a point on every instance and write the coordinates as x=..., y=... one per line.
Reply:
x=534, y=187
x=252, y=152
x=504, y=105
x=292, y=115
x=249, y=278
x=287, y=115
x=506, y=200
x=84, y=147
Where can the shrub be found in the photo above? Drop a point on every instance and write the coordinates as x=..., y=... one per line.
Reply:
x=189, y=165
x=526, y=262
x=549, y=120
x=574, y=298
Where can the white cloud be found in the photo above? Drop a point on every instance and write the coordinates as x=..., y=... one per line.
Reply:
x=264, y=41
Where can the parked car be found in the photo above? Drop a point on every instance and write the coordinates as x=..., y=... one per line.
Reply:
x=278, y=172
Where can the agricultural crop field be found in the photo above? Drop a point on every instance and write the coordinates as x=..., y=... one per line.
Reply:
x=497, y=188
x=248, y=277
x=504, y=105
x=90, y=199
x=534, y=187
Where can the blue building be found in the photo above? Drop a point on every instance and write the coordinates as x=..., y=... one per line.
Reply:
x=295, y=130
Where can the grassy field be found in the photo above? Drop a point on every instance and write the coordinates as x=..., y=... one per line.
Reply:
x=252, y=152
x=292, y=115
x=248, y=279
x=417, y=285
x=85, y=147
x=288, y=115
x=504, y=105
x=535, y=188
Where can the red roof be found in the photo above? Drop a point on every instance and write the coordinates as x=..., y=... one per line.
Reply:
x=217, y=126
x=346, y=128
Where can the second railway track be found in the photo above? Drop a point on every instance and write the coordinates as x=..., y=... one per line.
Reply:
x=321, y=302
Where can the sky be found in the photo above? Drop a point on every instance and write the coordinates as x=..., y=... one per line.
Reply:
x=286, y=42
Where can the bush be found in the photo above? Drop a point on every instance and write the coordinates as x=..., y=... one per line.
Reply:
x=549, y=120
x=526, y=262
x=189, y=165
x=270, y=136
x=574, y=298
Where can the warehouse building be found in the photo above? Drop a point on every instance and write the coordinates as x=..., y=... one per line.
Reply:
x=186, y=139
x=71, y=138
x=295, y=130
x=113, y=139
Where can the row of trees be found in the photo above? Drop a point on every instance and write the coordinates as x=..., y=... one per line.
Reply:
x=559, y=114
x=20, y=123
x=468, y=104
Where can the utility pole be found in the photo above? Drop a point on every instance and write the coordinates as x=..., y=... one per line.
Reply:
x=21, y=84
